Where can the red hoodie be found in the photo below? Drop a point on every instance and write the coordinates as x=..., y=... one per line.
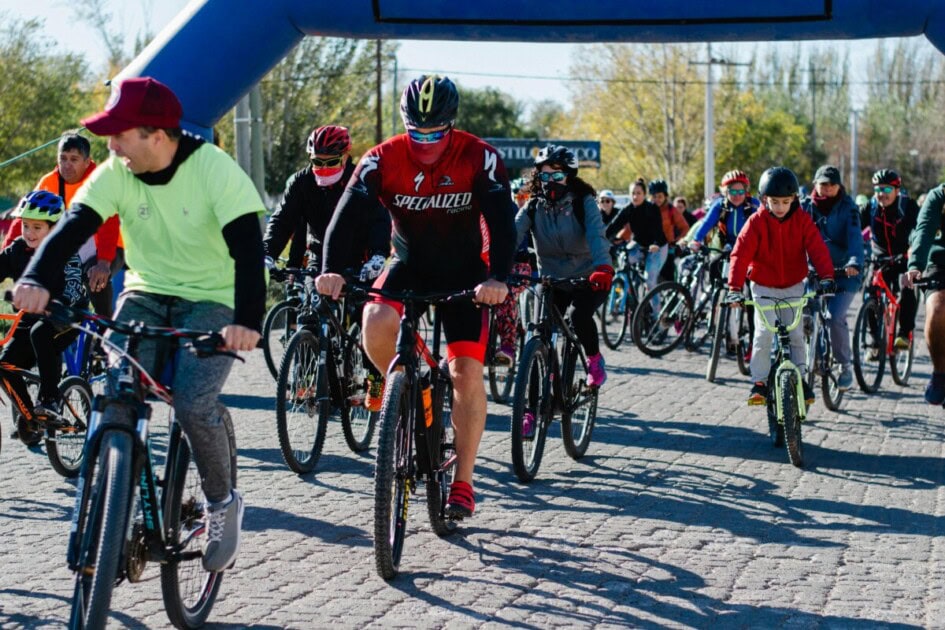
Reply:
x=773, y=252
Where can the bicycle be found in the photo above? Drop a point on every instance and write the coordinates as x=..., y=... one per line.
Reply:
x=874, y=333
x=501, y=375
x=64, y=433
x=820, y=358
x=551, y=381
x=324, y=374
x=625, y=292
x=786, y=405
x=415, y=443
x=125, y=515
x=661, y=322
x=281, y=322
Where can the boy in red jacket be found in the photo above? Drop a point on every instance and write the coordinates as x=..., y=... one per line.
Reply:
x=772, y=249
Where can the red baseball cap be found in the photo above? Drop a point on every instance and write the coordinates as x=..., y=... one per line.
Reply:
x=136, y=102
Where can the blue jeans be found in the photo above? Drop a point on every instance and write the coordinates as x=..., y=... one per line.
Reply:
x=838, y=305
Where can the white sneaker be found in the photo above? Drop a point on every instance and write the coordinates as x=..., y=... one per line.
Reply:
x=224, y=521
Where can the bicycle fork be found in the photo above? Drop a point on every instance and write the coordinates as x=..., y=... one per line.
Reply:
x=786, y=366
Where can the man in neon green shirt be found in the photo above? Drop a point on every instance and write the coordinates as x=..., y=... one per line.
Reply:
x=190, y=222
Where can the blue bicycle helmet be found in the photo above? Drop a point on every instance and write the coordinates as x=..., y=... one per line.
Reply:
x=40, y=205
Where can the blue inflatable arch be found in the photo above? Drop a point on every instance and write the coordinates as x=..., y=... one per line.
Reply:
x=214, y=51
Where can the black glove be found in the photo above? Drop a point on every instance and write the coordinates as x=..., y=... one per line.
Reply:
x=734, y=297
x=827, y=287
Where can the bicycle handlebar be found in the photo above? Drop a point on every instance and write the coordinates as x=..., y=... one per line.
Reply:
x=795, y=303
x=517, y=280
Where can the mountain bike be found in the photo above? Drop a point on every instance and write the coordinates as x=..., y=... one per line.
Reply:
x=661, y=322
x=281, y=321
x=786, y=405
x=629, y=285
x=324, y=375
x=874, y=333
x=820, y=358
x=552, y=378
x=125, y=514
x=415, y=443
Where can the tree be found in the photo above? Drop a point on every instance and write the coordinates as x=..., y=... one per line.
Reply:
x=490, y=113
x=43, y=96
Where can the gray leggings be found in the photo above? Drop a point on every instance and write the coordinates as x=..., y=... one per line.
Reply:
x=197, y=382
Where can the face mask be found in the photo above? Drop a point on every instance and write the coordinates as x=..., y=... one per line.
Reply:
x=428, y=152
x=553, y=191
x=328, y=176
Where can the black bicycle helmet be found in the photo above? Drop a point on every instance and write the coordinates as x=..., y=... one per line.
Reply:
x=430, y=101
x=778, y=181
x=658, y=186
x=559, y=155
x=888, y=177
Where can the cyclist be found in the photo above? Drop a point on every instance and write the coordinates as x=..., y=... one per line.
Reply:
x=190, y=221
x=927, y=260
x=38, y=341
x=728, y=213
x=438, y=183
x=681, y=204
x=607, y=204
x=674, y=224
x=891, y=218
x=772, y=250
x=838, y=220
x=645, y=221
x=569, y=239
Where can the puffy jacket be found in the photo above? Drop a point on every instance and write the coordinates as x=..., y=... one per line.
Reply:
x=840, y=228
x=735, y=218
x=774, y=252
x=674, y=223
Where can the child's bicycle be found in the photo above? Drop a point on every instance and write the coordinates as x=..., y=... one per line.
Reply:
x=125, y=514
x=64, y=434
x=786, y=406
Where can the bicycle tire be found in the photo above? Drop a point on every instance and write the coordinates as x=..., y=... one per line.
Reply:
x=183, y=515
x=775, y=428
x=718, y=338
x=577, y=420
x=29, y=432
x=301, y=444
x=830, y=375
x=438, y=486
x=391, y=478
x=615, y=313
x=501, y=378
x=900, y=363
x=703, y=322
x=532, y=392
x=278, y=329
x=787, y=390
x=65, y=445
x=103, y=532
x=357, y=424
x=658, y=334
x=867, y=377
x=744, y=342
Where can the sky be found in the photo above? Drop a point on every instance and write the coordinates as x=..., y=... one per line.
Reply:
x=506, y=66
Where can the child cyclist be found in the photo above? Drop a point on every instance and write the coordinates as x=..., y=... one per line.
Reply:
x=772, y=250
x=37, y=341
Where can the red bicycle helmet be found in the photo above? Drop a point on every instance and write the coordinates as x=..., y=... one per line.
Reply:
x=328, y=140
x=735, y=176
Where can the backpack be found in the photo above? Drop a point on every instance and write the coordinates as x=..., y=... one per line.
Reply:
x=578, y=211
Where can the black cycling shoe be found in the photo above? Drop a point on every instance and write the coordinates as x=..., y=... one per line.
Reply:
x=809, y=397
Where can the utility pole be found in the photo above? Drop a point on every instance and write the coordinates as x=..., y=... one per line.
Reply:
x=394, y=104
x=241, y=130
x=709, y=186
x=378, y=126
x=854, y=153
x=813, y=71
x=258, y=169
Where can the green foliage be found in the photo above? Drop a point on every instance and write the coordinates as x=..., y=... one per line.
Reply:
x=42, y=97
x=490, y=113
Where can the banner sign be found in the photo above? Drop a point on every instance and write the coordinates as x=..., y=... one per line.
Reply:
x=520, y=152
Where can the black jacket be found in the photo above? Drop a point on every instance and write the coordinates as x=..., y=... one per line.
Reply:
x=890, y=227
x=68, y=287
x=646, y=223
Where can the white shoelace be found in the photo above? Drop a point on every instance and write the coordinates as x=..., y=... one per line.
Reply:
x=216, y=523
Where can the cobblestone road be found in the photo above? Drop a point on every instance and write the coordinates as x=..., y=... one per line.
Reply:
x=681, y=515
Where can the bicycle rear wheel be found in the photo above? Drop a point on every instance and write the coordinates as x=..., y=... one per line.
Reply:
x=438, y=485
x=65, y=444
x=869, y=348
x=830, y=374
x=392, y=476
x=102, y=530
x=580, y=406
x=615, y=312
x=358, y=423
x=278, y=328
x=662, y=320
x=787, y=391
x=532, y=395
x=302, y=410
x=189, y=592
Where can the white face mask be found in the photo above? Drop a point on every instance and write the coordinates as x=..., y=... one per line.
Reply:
x=330, y=179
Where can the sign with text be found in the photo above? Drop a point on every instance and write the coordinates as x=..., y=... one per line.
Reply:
x=520, y=152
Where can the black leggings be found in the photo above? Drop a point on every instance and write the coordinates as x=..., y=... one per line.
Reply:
x=31, y=340
x=585, y=303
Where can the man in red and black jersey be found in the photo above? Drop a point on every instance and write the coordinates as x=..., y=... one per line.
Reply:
x=437, y=182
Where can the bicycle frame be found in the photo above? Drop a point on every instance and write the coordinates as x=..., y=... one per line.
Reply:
x=880, y=289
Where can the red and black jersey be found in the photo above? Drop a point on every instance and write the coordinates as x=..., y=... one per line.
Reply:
x=435, y=211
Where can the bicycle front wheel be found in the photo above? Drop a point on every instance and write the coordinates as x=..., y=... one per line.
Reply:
x=531, y=410
x=66, y=443
x=392, y=476
x=900, y=365
x=580, y=407
x=869, y=348
x=787, y=392
x=358, y=423
x=720, y=314
x=744, y=341
x=102, y=531
x=278, y=328
x=662, y=319
x=501, y=377
x=615, y=312
x=301, y=409
x=444, y=464
x=189, y=591
x=830, y=375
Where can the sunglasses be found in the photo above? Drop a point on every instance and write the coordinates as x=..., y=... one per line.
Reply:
x=332, y=161
x=884, y=189
x=556, y=176
x=427, y=138
x=736, y=191
x=606, y=200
